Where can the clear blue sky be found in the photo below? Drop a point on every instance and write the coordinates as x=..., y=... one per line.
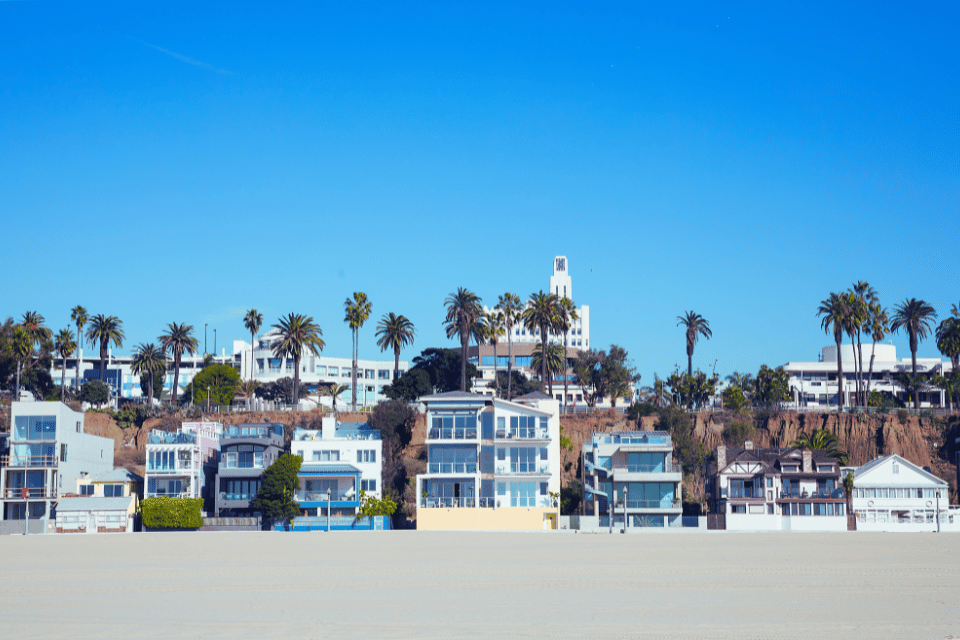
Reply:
x=183, y=161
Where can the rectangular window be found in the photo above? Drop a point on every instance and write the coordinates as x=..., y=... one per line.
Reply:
x=334, y=371
x=501, y=488
x=322, y=370
x=86, y=490
x=368, y=485
x=896, y=468
x=383, y=374
x=63, y=452
x=369, y=374
x=366, y=455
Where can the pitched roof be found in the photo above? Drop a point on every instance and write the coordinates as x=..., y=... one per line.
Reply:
x=893, y=457
x=94, y=504
x=455, y=395
x=534, y=395
x=119, y=475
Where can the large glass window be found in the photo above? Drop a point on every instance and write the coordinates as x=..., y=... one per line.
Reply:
x=453, y=459
x=523, y=494
x=326, y=456
x=35, y=428
x=454, y=426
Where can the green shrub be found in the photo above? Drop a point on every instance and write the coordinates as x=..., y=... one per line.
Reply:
x=164, y=512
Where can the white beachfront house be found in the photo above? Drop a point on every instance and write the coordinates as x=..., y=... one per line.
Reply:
x=893, y=494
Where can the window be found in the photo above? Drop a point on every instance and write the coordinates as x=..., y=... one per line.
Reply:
x=770, y=509
x=738, y=508
x=543, y=489
x=63, y=452
x=501, y=488
x=896, y=468
x=366, y=455
x=113, y=490
x=78, y=427
x=368, y=485
x=368, y=374
x=326, y=456
x=501, y=454
x=522, y=494
x=86, y=490
x=383, y=374
x=334, y=371
x=769, y=482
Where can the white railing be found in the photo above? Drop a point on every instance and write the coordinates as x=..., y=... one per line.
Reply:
x=666, y=467
x=523, y=469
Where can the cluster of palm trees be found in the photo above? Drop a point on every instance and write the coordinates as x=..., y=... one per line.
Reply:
x=857, y=311
x=545, y=313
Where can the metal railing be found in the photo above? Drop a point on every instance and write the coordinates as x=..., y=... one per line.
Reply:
x=17, y=460
x=521, y=468
x=169, y=437
x=453, y=433
x=237, y=496
x=437, y=502
x=665, y=467
x=448, y=467
x=815, y=493
x=24, y=493
x=155, y=494
x=321, y=496
x=181, y=465
x=745, y=492
x=535, y=433
x=650, y=504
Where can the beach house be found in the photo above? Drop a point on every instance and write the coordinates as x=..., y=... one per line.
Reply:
x=892, y=494
x=183, y=463
x=245, y=451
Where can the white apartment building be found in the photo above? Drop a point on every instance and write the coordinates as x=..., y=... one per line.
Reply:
x=339, y=445
x=815, y=384
x=492, y=464
x=893, y=494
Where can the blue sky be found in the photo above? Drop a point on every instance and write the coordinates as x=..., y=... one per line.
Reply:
x=173, y=162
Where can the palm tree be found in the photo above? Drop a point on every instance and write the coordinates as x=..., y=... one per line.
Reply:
x=696, y=326
x=837, y=312
x=22, y=348
x=297, y=332
x=553, y=364
x=395, y=333
x=566, y=316
x=541, y=314
x=356, y=312
x=915, y=317
x=949, y=383
x=511, y=307
x=463, y=311
x=149, y=360
x=64, y=346
x=37, y=332
x=823, y=440
x=248, y=388
x=878, y=326
x=864, y=297
x=78, y=315
x=912, y=384
x=948, y=340
x=178, y=340
x=252, y=321
x=496, y=327
x=334, y=391
x=105, y=329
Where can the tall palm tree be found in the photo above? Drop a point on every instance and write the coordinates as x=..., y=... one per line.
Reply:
x=511, y=307
x=863, y=296
x=78, y=315
x=463, y=311
x=496, y=328
x=178, y=340
x=105, y=330
x=915, y=317
x=949, y=383
x=823, y=440
x=356, y=312
x=837, y=311
x=297, y=332
x=948, y=340
x=553, y=363
x=566, y=316
x=64, y=346
x=22, y=348
x=37, y=332
x=149, y=360
x=878, y=326
x=541, y=314
x=252, y=321
x=335, y=391
x=395, y=332
x=696, y=326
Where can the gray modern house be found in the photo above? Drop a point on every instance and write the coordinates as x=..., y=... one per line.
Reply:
x=245, y=451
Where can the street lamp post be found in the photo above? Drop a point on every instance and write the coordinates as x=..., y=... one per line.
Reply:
x=328, y=509
x=611, y=502
x=208, y=398
x=625, y=522
x=204, y=338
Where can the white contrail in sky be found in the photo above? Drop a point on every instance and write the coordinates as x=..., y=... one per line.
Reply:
x=181, y=57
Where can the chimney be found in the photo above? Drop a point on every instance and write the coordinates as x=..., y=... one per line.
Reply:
x=721, y=457
x=328, y=428
x=748, y=445
x=807, y=461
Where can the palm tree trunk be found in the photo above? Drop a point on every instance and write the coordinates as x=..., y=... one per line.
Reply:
x=913, y=358
x=690, y=362
x=494, y=369
x=19, y=368
x=565, y=376
x=509, y=363
x=252, y=338
x=396, y=363
x=150, y=399
x=860, y=374
x=355, y=349
x=63, y=379
x=873, y=353
x=296, y=382
x=103, y=359
x=76, y=383
x=543, y=355
x=176, y=376
x=839, y=376
x=464, y=348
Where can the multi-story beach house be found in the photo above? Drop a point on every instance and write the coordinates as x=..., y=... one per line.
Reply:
x=245, y=451
x=769, y=489
x=340, y=460
x=492, y=464
x=893, y=494
x=48, y=452
x=183, y=463
x=632, y=476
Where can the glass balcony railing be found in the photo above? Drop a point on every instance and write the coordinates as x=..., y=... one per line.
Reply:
x=664, y=503
x=662, y=467
x=528, y=433
x=438, y=502
x=453, y=467
x=534, y=468
x=167, y=437
x=321, y=496
x=453, y=433
x=815, y=493
x=25, y=493
x=237, y=496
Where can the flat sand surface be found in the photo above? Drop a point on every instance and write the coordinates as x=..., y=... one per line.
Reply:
x=407, y=584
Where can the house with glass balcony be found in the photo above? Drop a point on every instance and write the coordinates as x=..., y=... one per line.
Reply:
x=631, y=477
x=245, y=451
x=48, y=453
x=892, y=494
x=775, y=489
x=491, y=463
x=183, y=463
x=340, y=460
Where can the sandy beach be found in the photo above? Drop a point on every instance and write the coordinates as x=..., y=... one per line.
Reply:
x=481, y=585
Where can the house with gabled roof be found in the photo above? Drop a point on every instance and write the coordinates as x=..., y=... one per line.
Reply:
x=775, y=489
x=893, y=494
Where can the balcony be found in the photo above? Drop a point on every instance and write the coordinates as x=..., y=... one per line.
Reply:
x=167, y=437
x=523, y=469
x=182, y=467
x=29, y=493
x=17, y=460
x=436, y=502
x=321, y=496
x=452, y=467
x=645, y=471
x=535, y=433
x=182, y=494
x=667, y=503
x=223, y=496
x=811, y=495
x=745, y=493
x=453, y=433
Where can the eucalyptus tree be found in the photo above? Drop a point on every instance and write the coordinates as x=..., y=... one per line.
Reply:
x=511, y=307
x=148, y=360
x=915, y=317
x=78, y=315
x=463, y=312
x=105, y=330
x=178, y=340
x=837, y=314
x=696, y=326
x=566, y=316
x=297, y=333
x=541, y=315
x=395, y=332
x=252, y=321
x=64, y=346
x=356, y=312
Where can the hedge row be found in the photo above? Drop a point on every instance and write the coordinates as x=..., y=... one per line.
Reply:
x=164, y=512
